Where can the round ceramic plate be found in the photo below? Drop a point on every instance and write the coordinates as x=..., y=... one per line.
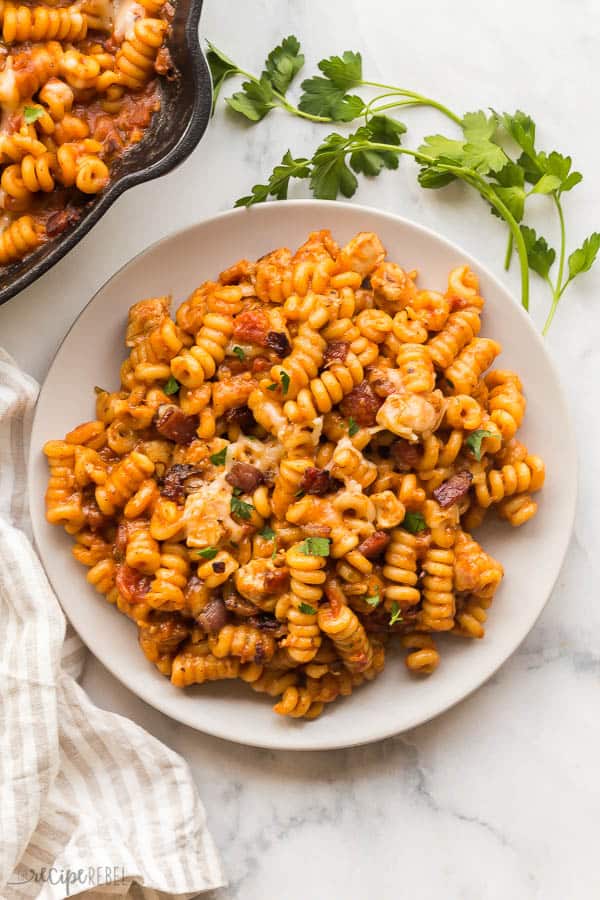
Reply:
x=91, y=354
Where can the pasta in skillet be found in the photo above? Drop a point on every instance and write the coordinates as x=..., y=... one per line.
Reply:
x=78, y=86
x=286, y=482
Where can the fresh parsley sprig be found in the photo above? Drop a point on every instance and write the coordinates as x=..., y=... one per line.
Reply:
x=477, y=156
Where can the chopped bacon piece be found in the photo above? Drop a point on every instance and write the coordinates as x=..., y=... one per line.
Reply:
x=58, y=221
x=244, y=476
x=267, y=622
x=276, y=580
x=336, y=351
x=278, y=342
x=318, y=481
x=374, y=545
x=453, y=489
x=240, y=415
x=173, y=483
x=173, y=424
x=214, y=616
x=361, y=404
x=131, y=584
x=251, y=327
x=406, y=455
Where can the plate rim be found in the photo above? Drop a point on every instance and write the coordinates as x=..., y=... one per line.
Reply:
x=383, y=732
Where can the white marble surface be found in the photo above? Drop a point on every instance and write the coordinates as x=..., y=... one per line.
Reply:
x=500, y=797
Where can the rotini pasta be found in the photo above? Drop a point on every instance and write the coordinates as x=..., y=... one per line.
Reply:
x=287, y=476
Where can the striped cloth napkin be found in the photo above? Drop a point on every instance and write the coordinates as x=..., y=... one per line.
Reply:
x=89, y=803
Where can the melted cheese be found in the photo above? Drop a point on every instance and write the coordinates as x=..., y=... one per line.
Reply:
x=207, y=517
x=127, y=11
x=263, y=455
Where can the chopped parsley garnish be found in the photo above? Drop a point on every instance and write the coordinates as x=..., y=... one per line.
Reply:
x=171, y=387
x=315, y=546
x=239, y=352
x=414, y=522
x=285, y=383
x=353, y=427
x=373, y=601
x=272, y=387
x=31, y=114
x=396, y=613
x=474, y=440
x=267, y=533
x=240, y=508
x=218, y=459
x=208, y=552
x=307, y=609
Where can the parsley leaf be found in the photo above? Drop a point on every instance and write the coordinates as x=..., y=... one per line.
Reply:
x=221, y=68
x=521, y=128
x=322, y=97
x=443, y=148
x=239, y=352
x=240, y=508
x=484, y=157
x=307, y=609
x=432, y=177
x=208, y=553
x=267, y=533
x=344, y=71
x=396, y=613
x=283, y=63
x=353, y=427
x=218, y=459
x=546, y=184
x=330, y=175
x=279, y=181
x=315, y=546
x=474, y=440
x=272, y=387
x=539, y=254
x=513, y=198
x=510, y=189
x=414, y=522
x=582, y=259
x=380, y=130
x=373, y=601
x=171, y=386
x=254, y=100
x=477, y=126
x=285, y=382
x=31, y=114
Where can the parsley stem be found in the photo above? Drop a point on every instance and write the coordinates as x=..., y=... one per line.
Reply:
x=509, y=251
x=561, y=219
x=558, y=290
x=416, y=98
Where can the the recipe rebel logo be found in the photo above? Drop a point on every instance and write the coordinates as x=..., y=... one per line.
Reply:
x=73, y=880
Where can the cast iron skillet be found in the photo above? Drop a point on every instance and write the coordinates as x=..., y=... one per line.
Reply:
x=173, y=134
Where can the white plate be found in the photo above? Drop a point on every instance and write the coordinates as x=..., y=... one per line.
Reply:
x=532, y=555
